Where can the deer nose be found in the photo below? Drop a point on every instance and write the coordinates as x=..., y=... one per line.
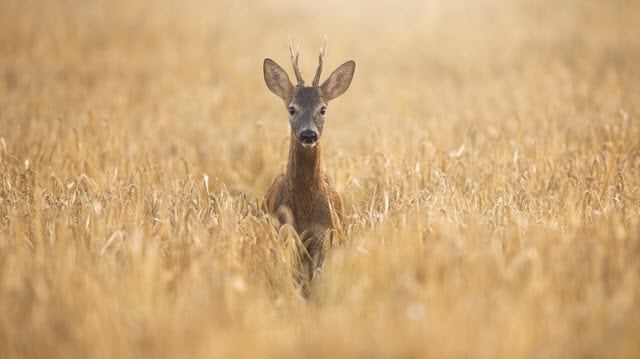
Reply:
x=308, y=137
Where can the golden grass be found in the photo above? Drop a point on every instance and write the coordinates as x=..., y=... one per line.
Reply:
x=488, y=154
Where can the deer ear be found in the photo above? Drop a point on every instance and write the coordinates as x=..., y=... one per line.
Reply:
x=277, y=79
x=339, y=81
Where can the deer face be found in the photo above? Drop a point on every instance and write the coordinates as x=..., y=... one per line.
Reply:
x=307, y=105
x=307, y=111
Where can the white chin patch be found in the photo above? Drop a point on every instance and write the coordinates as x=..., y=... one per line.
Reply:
x=309, y=144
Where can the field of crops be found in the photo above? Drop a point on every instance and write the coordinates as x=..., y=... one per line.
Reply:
x=487, y=154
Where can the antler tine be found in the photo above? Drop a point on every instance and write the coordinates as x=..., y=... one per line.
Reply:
x=323, y=50
x=294, y=62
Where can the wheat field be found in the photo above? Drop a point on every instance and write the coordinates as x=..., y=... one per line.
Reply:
x=487, y=154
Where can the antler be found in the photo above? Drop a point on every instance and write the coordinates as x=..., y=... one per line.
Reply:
x=294, y=62
x=323, y=50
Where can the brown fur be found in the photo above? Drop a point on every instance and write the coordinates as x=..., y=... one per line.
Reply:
x=305, y=198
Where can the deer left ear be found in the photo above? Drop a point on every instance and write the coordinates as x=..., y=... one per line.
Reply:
x=339, y=81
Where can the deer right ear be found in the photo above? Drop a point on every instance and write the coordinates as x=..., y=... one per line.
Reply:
x=277, y=79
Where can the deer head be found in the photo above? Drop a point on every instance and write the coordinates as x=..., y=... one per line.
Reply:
x=307, y=105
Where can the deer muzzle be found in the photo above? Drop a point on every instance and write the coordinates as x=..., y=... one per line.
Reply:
x=308, y=137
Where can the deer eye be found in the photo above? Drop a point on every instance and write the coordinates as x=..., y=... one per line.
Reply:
x=323, y=111
x=292, y=111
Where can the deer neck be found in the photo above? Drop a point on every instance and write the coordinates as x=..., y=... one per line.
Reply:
x=304, y=169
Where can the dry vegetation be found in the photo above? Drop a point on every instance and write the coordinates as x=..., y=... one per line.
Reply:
x=487, y=153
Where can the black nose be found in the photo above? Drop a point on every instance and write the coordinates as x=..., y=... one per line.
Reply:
x=308, y=136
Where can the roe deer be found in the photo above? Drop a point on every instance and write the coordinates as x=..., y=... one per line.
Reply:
x=303, y=196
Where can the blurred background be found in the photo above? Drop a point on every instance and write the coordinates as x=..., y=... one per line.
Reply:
x=487, y=154
x=188, y=73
